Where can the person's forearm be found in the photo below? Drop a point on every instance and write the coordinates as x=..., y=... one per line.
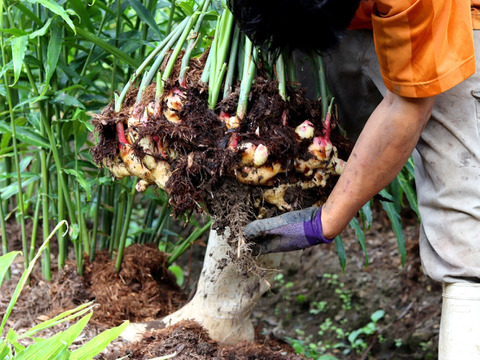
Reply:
x=380, y=152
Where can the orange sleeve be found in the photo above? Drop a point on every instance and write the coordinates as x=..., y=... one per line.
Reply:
x=476, y=14
x=363, y=16
x=424, y=47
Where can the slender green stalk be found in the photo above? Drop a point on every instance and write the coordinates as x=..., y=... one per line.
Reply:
x=33, y=240
x=160, y=225
x=118, y=30
x=107, y=216
x=93, y=245
x=291, y=67
x=323, y=85
x=118, y=222
x=206, y=70
x=46, y=266
x=19, y=196
x=149, y=217
x=126, y=225
x=172, y=14
x=179, y=250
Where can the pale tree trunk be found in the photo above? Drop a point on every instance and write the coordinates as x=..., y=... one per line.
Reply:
x=224, y=298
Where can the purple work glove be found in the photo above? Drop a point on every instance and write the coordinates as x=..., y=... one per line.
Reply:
x=291, y=231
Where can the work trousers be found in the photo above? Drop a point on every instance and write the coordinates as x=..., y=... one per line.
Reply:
x=447, y=156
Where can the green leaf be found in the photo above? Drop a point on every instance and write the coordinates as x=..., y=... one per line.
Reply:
x=377, y=315
x=178, y=272
x=8, y=191
x=24, y=277
x=109, y=48
x=5, y=351
x=19, y=49
x=5, y=262
x=81, y=180
x=360, y=237
x=63, y=317
x=98, y=343
x=366, y=214
x=394, y=217
x=409, y=191
x=342, y=257
x=41, y=31
x=26, y=135
x=53, y=54
x=79, y=7
x=146, y=17
x=52, y=347
x=56, y=9
x=61, y=98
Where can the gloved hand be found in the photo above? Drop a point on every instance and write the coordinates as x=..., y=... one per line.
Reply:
x=291, y=231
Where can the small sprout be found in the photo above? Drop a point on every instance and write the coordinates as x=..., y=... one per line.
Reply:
x=305, y=130
x=248, y=153
x=261, y=155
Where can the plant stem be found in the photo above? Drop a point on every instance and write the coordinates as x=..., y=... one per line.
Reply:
x=93, y=245
x=4, y=237
x=323, y=85
x=170, y=18
x=179, y=250
x=126, y=225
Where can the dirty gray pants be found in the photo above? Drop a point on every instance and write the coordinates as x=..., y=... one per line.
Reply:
x=447, y=157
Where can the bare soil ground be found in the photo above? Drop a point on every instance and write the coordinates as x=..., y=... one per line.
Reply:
x=311, y=296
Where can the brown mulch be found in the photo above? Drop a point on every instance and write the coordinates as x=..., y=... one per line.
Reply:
x=188, y=340
x=143, y=290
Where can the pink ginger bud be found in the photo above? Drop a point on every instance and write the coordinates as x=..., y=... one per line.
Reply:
x=121, y=134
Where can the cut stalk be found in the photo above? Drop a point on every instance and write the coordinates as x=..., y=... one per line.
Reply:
x=191, y=44
x=220, y=47
x=232, y=61
x=282, y=78
x=247, y=79
x=119, y=100
x=147, y=79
